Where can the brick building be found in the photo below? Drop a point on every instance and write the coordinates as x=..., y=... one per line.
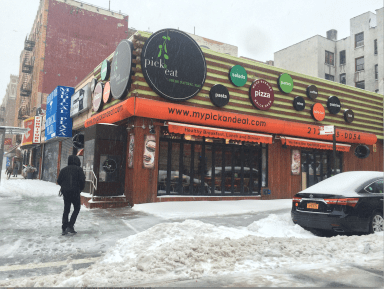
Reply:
x=67, y=39
x=7, y=107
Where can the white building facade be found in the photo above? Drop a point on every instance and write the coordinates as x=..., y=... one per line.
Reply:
x=357, y=60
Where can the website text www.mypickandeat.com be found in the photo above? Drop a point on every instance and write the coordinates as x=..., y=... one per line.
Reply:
x=215, y=116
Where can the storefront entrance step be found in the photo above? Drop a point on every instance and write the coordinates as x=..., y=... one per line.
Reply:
x=104, y=202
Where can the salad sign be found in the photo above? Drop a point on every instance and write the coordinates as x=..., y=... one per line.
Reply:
x=238, y=75
x=173, y=65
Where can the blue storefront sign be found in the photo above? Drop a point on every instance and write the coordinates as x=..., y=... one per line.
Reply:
x=58, y=123
x=8, y=162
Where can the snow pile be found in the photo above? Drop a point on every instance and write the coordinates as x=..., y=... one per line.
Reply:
x=193, y=249
x=17, y=187
x=182, y=210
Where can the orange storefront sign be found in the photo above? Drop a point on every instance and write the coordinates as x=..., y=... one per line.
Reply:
x=218, y=133
x=113, y=114
x=312, y=144
x=202, y=116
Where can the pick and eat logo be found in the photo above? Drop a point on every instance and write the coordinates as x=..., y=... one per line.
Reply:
x=173, y=65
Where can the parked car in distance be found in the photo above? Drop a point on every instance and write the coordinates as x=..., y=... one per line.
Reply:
x=346, y=202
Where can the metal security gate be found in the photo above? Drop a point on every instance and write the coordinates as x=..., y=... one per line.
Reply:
x=66, y=151
x=50, y=159
x=202, y=166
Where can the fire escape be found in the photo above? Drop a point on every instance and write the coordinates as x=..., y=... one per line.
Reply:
x=26, y=85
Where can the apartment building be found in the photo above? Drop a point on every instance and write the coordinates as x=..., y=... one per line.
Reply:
x=357, y=60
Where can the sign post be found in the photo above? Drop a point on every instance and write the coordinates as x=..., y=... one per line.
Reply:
x=330, y=129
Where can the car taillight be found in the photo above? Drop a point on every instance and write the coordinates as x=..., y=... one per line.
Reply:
x=296, y=200
x=343, y=202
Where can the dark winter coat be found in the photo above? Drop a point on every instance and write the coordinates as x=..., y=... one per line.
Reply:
x=72, y=178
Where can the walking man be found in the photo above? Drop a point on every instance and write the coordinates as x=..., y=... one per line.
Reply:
x=72, y=182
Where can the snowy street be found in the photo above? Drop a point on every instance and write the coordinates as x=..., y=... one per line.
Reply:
x=199, y=244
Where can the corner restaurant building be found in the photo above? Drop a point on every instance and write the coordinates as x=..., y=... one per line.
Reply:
x=173, y=122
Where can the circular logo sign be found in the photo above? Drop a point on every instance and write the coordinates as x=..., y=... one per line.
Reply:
x=78, y=141
x=299, y=103
x=93, y=84
x=318, y=111
x=105, y=70
x=109, y=166
x=312, y=92
x=97, y=96
x=107, y=92
x=285, y=83
x=238, y=75
x=261, y=94
x=121, y=69
x=173, y=65
x=219, y=95
x=349, y=115
x=333, y=104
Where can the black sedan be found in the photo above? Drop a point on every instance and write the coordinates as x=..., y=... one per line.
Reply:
x=346, y=202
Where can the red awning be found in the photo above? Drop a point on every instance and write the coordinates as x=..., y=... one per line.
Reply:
x=213, y=132
x=313, y=144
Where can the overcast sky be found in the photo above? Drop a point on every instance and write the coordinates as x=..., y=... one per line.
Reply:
x=257, y=27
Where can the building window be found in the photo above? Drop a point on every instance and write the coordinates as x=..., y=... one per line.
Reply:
x=342, y=57
x=360, y=84
x=359, y=39
x=317, y=165
x=190, y=165
x=329, y=77
x=329, y=57
x=343, y=78
x=359, y=63
x=376, y=71
x=375, y=46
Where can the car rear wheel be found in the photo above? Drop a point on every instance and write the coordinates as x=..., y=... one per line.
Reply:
x=377, y=223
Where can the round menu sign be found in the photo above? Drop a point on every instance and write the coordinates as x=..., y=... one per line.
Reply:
x=109, y=165
x=105, y=70
x=312, y=92
x=333, y=104
x=97, y=96
x=349, y=115
x=93, y=84
x=238, y=75
x=121, y=69
x=107, y=92
x=299, y=103
x=219, y=95
x=285, y=83
x=261, y=94
x=173, y=65
x=318, y=111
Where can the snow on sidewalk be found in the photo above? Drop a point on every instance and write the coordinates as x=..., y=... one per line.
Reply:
x=194, y=249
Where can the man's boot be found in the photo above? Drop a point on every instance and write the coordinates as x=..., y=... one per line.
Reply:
x=71, y=230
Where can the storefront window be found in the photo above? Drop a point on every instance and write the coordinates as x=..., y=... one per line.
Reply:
x=190, y=165
x=317, y=165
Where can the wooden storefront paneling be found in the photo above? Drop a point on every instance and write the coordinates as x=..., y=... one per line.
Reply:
x=140, y=182
x=374, y=162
